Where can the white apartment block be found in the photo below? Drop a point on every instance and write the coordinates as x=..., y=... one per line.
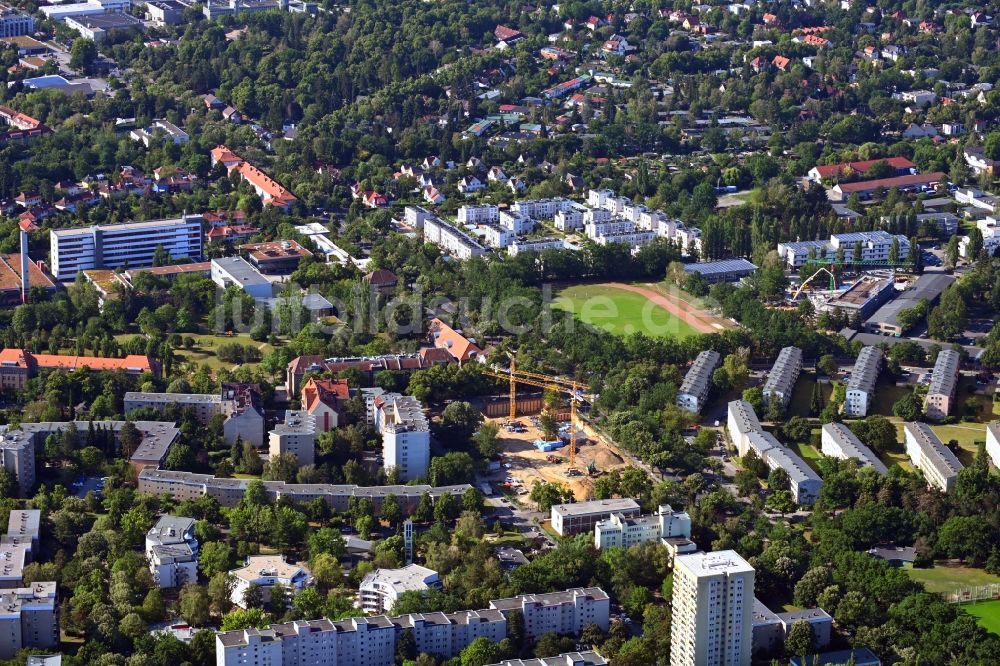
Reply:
x=451, y=239
x=477, y=214
x=116, y=245
x=861, y=387
x=29, y=618
x=380, y=589
x=537, y=245
x=620, y=531
x=931, y=456
x=580, y=517
x=414, y=216
x=783, y=375
x=803, y=482
x=595, y=216
x=172, y=551
x=371, y=641
x=837, y=441
x=741, y=420
x=633, y=238
x=795, y=253
x=519, y=224
x=599, y=198
x=359, y=641
x=296, y=435
x=611, y=226
x=15, y=24
x=993, y=442
x=698, y=381
x=496, y=236
x=565, y=613
x=543, y=209
x=944, y=383
x=17, y=456
x=406, y=437
x=266, y=572
x=875, y=245
x=568, y=220
x=584, y=658
x=713, y=610
x=23, y=527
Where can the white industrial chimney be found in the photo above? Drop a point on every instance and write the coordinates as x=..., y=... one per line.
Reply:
x=26, y=227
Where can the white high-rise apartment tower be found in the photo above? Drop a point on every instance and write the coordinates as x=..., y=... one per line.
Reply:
x=713, y=610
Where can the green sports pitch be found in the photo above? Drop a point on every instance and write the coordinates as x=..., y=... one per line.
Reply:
x=987, y=613
x=620, y=312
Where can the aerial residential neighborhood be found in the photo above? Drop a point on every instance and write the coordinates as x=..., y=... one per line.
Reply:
x=499, y=334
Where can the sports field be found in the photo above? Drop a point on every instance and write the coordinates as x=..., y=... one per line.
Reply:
x=987, y=612
x=621, y=312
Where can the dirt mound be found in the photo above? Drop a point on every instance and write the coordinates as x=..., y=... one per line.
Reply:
x=604, y=458
x=583, y=489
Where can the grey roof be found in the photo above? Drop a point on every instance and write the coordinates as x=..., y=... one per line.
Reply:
x=297, y=422
x=933, y=449
x=944, y=377
x=808, y=614
x=171, y=530
x=586, y=658
x=699, y=376
x=745, y=416
x=866, y=370
x=182, y=398
x=796, y=468
x=854, y=447
x=785, y=371
x=549, y=599
x=24, y=522
x=762, y=615
x=723, y=266
x=596, y=507
x=928, y=286
x=240, y=270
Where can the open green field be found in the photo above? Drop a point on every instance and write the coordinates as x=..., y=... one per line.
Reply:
x=802, y=394
x=620, y=312
x=205, y=345
x=987, y=613
x=943, y=579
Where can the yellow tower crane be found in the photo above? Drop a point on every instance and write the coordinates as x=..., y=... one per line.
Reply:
x=549, y=383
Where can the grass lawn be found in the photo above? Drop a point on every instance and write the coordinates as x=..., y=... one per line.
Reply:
x=620, y=312
x=807, y=452
x=886, y=395
x=802, y=395
x=205, y=345
x=943, y=579
x=966, y=434
x=987, y=612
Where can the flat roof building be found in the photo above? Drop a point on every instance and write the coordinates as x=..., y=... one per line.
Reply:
x=580, y=517
x=585, y=658
x=172, y=551
x=406, y=442
x=928, y=286
x=295, y=436
x=861, y=387
x=713, y=604
x=723, y=270
x=235, y=271
x=698, y=381
x=943, y=385
x=864, y=297
x=380, y=589
x=29, y=618
x=276, y=257
x=118, y=245
x=619, y=531
x=266, y=572
x=928, y=454
x=839, y=442
x=98, y=27
x=23, y=526
x=783, y=375
x=565, y=613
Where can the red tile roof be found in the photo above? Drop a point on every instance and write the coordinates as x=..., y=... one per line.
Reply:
x=834, y=170
x=899, y=181
x=445, y=337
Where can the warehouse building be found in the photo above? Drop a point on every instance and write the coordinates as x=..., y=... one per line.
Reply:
x=863, y=298
x=928, y=287
x=725, y=270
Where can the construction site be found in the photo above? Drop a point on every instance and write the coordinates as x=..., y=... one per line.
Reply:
x=529, y=464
